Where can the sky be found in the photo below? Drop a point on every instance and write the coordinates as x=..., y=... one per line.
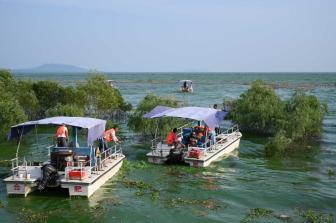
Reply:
x=170, y=35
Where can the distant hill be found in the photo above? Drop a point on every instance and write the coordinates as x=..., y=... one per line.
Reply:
x=53, y=68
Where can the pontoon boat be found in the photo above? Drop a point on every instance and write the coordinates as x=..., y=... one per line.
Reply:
x=212, y=146
x=77, y=168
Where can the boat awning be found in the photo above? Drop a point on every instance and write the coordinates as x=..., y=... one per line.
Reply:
x=211, y=117
x=96, y=127
x=182, y=81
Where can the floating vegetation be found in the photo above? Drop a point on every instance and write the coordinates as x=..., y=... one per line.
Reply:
x=28, y=216
x=98, y=211
x=256, y=213
x=312, y=216
x=177, y=202
x=142, y=187
x=1, y=205
x=331, y=172
x=128, y=165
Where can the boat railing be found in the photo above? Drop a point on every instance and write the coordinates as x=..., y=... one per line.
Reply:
x=222, y=138
x=18, y=167
x=233, y=129
x=85, y=168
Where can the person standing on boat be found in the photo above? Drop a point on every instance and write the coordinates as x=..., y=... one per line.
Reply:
x=110, y=136
x=62, y=135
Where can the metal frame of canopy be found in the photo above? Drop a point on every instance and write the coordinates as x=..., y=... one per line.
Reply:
x=96, y=128
x=211, y=117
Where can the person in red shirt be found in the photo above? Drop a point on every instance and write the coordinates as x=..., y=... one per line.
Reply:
x=62, y=136
x=109, y=136
x=172, y=139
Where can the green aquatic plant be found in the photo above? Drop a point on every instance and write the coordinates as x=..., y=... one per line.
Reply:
x=30, y=216
x=256, y=213
x=177, y=202
x=331, y=172
x=316, y=216
x=130, y=165
x=142, y=188
x=289, y=122
x=277, y=145
x=257, y=110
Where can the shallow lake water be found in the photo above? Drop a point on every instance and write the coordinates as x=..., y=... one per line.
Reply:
x=226, y=191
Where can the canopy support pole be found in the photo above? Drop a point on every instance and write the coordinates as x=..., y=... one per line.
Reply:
x=18, y=147
x=74, y=136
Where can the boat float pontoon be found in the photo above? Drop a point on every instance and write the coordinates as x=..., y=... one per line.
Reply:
x=76, y=168
x=211, y=150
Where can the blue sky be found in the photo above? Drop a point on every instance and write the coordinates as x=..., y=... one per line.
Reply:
x=170, y=35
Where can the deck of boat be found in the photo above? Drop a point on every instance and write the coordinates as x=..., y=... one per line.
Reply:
x=21, y=184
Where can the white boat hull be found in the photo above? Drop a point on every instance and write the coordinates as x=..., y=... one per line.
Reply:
x=88, y=186
x=218, y=151
x=20, y=185
x=214, y=155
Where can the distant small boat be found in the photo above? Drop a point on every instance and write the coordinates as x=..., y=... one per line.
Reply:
x=77, y=168
x=186, y=86
x=112, y=83
x=197, y=152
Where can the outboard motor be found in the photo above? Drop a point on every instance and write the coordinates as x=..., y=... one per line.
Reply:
x=175, y=157
x=49, y=177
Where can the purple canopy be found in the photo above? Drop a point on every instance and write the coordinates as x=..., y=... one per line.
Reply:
x=211, y=117
x=96, y=127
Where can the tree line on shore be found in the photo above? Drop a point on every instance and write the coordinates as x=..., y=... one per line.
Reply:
x=23, y=100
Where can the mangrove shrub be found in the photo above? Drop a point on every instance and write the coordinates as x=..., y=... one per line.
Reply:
x=296, y=120
x=258, y=110
x=27, y=99
x=65, y=110
x=99, y=98
x=11, y=113
x=146, y=126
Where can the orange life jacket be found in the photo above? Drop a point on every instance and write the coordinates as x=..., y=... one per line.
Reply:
x=171, y=138
x=108, y=135
x=62, y=131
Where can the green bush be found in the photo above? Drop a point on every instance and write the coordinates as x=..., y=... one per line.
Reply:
x=33, y=100
x=304, y=117
x=258, y=110
x=99, y=98
x=261, y=111
x=49, y=94
x=277, y=145
x=65, y=110
x=11, y=113
x=27, y=98
x=148, y=126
